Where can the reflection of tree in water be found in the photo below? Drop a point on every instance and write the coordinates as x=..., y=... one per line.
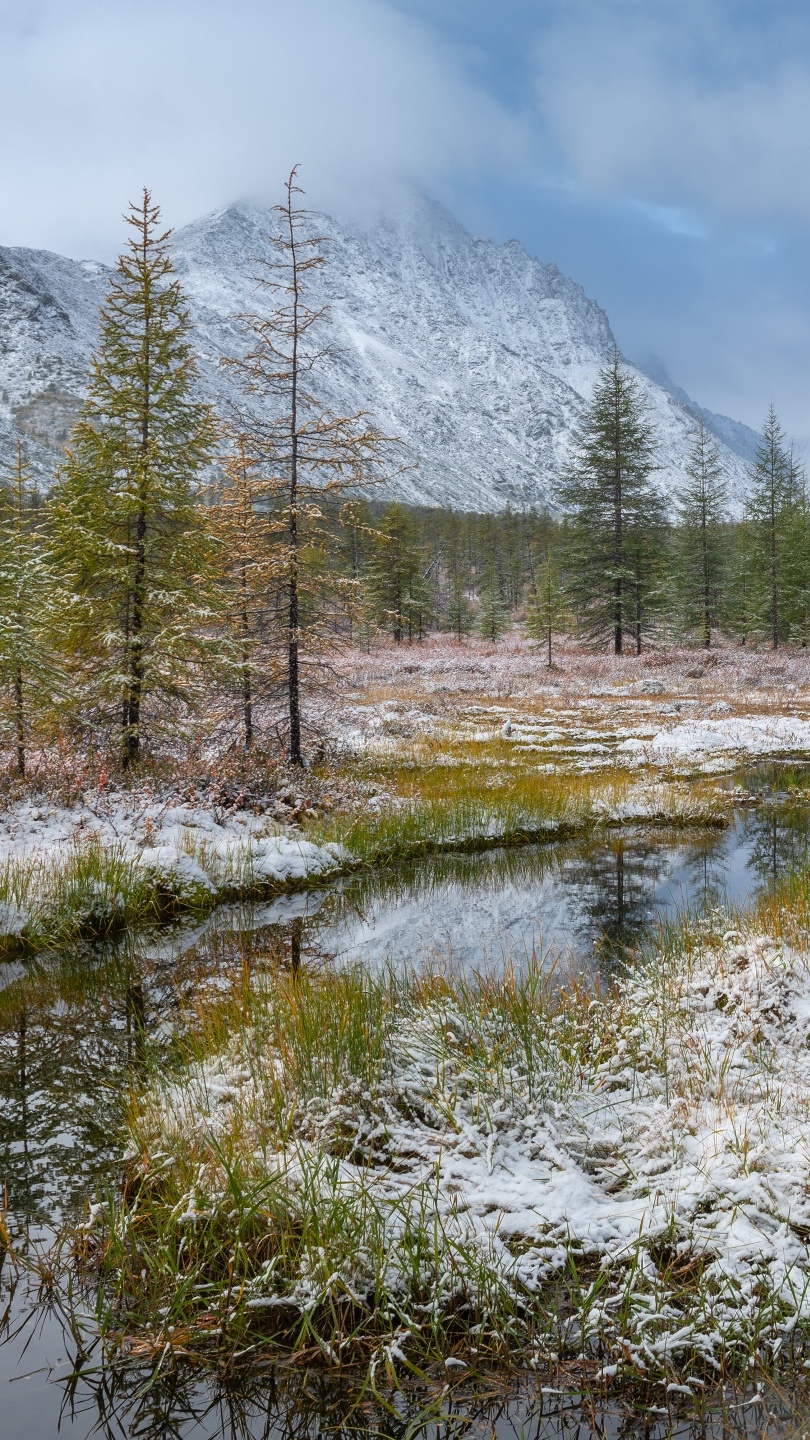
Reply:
x=314, y=933
x=60, y=1112
x=74, y=1031
x=780, y=841
x=705, y=869
x=617, y=886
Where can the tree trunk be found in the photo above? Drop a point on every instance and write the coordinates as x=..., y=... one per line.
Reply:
x=132, y=735
x=247, y=695
x=132, y=732
x=293, y=682
x=19, y=721
x=617, y=535
x=707, y=619
x=774, y=599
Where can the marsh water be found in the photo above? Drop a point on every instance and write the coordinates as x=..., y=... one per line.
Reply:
x=75, y=1030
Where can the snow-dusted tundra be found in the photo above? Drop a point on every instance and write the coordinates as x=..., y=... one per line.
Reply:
x=657, y=1141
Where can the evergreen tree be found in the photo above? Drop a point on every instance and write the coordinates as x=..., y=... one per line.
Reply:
x=615, y=513
x=32, y=681
x=124, y=510
x=741, y=600
x=459, y=580
x=546, y=609
x=358, y=534
x=797, y=553
x=772, y=509
x=396, y=584
x=701, y=549
x=493, y=618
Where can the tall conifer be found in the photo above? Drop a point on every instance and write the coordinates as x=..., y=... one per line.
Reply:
x=614, y=509
x=702, y=545
x=398, y=590
x=546, y=609
x=771, y=507
x=33, y=683
x=249, y=572
x=309, y=455
x=124, y=510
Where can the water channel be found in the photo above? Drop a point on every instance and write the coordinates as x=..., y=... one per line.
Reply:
x=74, y=1030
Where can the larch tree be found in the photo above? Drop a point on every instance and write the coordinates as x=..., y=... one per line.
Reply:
x=702, y=543
x=614, y=510
x=30, y=609
x=247, y=571
x=125, y=517
x=308, y=455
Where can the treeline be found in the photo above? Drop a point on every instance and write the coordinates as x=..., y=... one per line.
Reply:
x=615, y=564
x=187, y=568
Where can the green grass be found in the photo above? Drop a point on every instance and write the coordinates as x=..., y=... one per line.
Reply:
x=243, y=1231
x=89, y=890
x=467, y=805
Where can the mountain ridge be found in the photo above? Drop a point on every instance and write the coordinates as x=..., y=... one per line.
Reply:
x=481, y=357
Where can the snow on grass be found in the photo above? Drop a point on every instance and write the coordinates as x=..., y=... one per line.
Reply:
x=724, y=742
x=625, y=1177
x=118, y=859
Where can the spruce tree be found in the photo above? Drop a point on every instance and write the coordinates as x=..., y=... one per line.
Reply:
x=124, y=510
x=742, y=593
x=797, y=556
x=493, y=618
x=395, y=580
x=459, y=579
x=771, y=506
x=701, y=548
x=615, y=513
x=33, y=683
x=546, y=608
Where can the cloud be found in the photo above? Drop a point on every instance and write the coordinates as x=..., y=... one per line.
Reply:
x=208, y=101
x=700, y=104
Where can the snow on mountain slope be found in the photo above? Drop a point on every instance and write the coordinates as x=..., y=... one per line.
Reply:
x=479, y=357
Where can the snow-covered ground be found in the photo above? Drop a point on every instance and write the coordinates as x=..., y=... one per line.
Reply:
x=714, y=743
x=186, y=849
x=665, y=1147
x=677, y=710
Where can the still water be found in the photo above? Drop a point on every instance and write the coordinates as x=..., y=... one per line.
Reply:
x=74, y=1031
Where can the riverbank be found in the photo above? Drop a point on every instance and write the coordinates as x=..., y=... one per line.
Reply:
x=420, y=1170
x=117, y=861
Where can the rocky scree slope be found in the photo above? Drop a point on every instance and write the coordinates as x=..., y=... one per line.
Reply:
x=480, y=358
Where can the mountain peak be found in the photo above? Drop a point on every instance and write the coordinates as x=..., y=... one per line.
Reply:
x=481, y=357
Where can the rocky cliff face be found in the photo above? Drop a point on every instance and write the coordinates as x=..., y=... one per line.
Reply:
x=479, y=357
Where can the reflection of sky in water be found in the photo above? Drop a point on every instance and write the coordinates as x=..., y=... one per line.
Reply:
x=483, y=910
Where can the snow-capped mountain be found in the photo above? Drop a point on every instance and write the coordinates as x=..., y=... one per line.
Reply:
x=480, y=358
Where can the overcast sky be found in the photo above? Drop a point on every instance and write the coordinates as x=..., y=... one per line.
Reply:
x=657, y=150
